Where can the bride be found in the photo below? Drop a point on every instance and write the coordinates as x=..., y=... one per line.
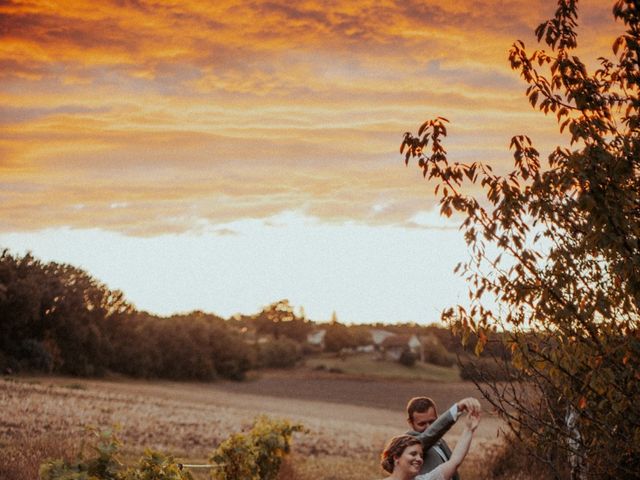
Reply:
x=402, y=457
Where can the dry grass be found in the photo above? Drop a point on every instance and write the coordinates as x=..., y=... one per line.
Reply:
x=477, y=466
x=189, y=420
x=21, y=459
x=330, y=467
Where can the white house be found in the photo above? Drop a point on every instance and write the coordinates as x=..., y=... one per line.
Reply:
x=393, y=346
x=379, y=336
x=316, y=338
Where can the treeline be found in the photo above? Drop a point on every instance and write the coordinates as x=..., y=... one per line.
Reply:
x=280, y=322
x=56, y=318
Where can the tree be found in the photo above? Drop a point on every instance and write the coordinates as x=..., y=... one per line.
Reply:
x=338, y=336
x=80, y=317
x=55, y=317
x=564, y=279
x=279, y=319
x=24, y=291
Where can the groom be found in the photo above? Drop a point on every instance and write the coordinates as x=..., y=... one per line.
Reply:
x=425, y=424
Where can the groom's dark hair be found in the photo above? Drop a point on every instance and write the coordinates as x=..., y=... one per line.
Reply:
x=420, y=405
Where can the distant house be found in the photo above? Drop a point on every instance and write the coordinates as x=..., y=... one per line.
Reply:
x=316, y=338
x=414, y=344
x=365, y=348
x=393, y=346
x=379, y=336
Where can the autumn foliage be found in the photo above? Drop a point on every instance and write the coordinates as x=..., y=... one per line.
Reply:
x=555, y=252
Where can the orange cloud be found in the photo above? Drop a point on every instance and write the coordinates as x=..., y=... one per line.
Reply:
x=153, y=116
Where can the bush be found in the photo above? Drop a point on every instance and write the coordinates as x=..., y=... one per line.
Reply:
x=280, y=353
x=408, y=358
x=156, y=466
x=436, y=354
x=256, y=455
x=104, y=466
x=237, y=459
x=273, y=442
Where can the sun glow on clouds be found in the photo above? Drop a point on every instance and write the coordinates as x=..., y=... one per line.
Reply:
x=189, y=116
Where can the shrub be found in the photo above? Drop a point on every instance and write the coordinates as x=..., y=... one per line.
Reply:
x=407, y=358
x=237, y=459
x=279, y=353
x=273, y=442
x=156, y=466
x=106, y=465
x=256, y=455
x=436, y=354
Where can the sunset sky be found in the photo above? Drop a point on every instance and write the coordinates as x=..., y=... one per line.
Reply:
x=224, y=155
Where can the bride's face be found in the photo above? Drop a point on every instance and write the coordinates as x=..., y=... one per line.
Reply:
x=411, y=460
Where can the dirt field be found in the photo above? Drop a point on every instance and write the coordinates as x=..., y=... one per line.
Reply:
x=345, y=418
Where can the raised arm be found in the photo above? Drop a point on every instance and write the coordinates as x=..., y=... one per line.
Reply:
x=446, y=420
x=449, y=467
x=437, y=429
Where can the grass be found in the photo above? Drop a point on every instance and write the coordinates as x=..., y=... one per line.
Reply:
x=27, y=380
x=330, y=467
x=21, y=459
x=188, y=420
x=369, y=365
x=75, y=386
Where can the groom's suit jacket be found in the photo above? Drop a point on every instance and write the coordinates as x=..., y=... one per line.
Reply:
x=434, y=446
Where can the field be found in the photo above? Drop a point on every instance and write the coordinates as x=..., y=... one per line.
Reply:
x=348, y=419
x=368, y=364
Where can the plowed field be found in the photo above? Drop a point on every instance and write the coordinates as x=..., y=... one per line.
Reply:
x=344, y=417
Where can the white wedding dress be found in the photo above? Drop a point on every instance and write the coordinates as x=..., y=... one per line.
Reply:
x=435, y=474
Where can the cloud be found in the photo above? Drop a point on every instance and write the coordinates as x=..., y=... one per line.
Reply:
x=15, y=115
x=187, y=113
x=223, y=232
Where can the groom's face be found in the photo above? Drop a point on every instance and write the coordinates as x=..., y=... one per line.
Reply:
x=421, y=420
